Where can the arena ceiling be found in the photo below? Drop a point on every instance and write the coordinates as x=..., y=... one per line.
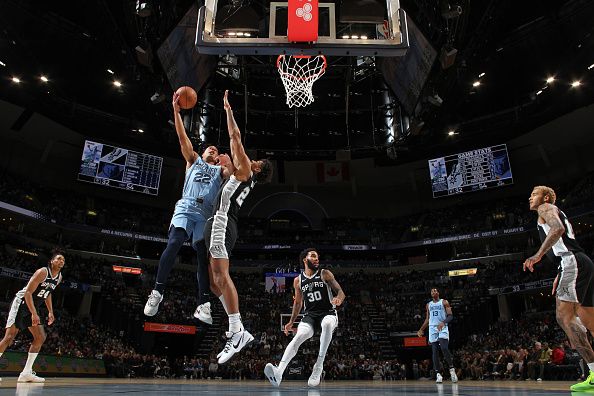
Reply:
x=83, y=47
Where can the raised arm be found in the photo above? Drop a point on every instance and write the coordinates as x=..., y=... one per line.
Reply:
x=240, y=159
x=550, y=214
x=329, y=279
x=186, y=146
x=297, y=305
x=34, y=282
x=425, y=323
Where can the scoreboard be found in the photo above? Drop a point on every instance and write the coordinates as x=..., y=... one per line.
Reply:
x=470, y=171
x=120, y=168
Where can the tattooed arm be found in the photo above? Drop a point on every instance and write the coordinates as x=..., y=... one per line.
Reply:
x=550, y=214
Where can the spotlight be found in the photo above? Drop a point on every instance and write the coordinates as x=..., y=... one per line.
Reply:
x=232, y=34
x=355, y=37
x=345, y=37
x=550, y=79
x=539, y=92
x=16, y=80
x=363, y=37
x=117, y=83
x=476, y=83
x=576, y=84
x=44, y=79
x=247, y=34
x=451, y=133
x=2, y=63
x=141, y=130
x=589, y=67
x=110, y=71
x=481, y=75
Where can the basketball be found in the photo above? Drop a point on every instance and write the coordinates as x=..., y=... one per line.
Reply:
x=187, y=97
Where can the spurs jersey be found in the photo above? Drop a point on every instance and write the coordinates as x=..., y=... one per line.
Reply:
x=566, y=246
x=231, y=197
x=317, y=296
x=44, y=289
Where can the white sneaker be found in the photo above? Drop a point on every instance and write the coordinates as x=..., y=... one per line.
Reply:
x=30, y=377
x=203, y=313
x=235, y=343
x=273, y=374
x=539, y=379
x=438, y=379
x=152, y=304
x=453, y=375
x=316, y=374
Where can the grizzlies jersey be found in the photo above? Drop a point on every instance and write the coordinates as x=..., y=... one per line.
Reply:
x=566, y=246
x=201, y=184
x=231, y=197
x=44, y=289
x=317, y=296
x=437, y=313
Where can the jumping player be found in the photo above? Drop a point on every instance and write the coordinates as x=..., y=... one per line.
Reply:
x=439, y=314
x=312, y=288
x=221, y=230
x=575, y=281
x=24, y=312
x=202, y=181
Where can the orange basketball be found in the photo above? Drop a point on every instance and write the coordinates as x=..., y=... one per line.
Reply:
x=187, y=97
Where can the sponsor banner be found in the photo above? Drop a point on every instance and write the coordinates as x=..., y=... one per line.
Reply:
x=454, y=238
x=539, y=284
x=462, y=272
x=13, y=362
x=22, y=275
x=415, y=342
x=355, y=247
x=169, y=328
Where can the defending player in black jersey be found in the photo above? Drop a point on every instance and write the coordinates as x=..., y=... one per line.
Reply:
x=313, y=290
x=220, y=231
x=575, y=282
x=24, y=312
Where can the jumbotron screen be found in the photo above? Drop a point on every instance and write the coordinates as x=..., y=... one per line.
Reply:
x=121, y=168
x=470, y=171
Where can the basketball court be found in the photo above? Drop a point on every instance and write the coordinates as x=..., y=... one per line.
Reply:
x=95, y=387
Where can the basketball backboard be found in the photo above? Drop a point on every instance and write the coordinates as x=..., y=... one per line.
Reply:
x=240, y=29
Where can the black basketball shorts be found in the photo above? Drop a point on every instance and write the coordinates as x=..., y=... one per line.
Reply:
x=576, y=280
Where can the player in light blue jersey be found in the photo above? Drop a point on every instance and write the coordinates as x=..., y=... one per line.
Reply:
x=439, y=314
x=203, y=178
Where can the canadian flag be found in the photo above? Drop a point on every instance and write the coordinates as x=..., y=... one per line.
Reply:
x=333, y=171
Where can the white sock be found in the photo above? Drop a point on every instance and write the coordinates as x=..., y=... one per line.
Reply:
x=222, y=298
x=1, y=354
x=30, y=360
x=235, y=322
x=591, y=367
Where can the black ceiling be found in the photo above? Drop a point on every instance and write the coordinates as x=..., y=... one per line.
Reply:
x=516, y=44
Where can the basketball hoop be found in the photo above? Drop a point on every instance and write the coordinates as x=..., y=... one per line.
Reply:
x=299, y=73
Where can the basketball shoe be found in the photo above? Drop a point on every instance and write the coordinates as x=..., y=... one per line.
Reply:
x=438, y=379
x=587, y=385
x=273, y=374
x=316, y=374
x=453, y=375
x=152, y=304
x=202, y=313
x=30, y=376
x=235, y=343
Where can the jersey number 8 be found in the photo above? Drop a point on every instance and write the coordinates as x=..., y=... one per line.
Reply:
x=43, y=294
x=314, y=296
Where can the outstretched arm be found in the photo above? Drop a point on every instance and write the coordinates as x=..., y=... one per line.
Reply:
x=329, y=278
x=186, y=146
x=550, y=214
x=238, y=155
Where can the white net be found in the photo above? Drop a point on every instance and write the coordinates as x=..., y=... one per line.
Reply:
x=299, y=73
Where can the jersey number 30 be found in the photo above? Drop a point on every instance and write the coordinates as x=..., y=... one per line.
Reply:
x=314, y=296
x=43, y=294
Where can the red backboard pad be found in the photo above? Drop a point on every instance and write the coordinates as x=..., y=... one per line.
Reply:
x=303, y=21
